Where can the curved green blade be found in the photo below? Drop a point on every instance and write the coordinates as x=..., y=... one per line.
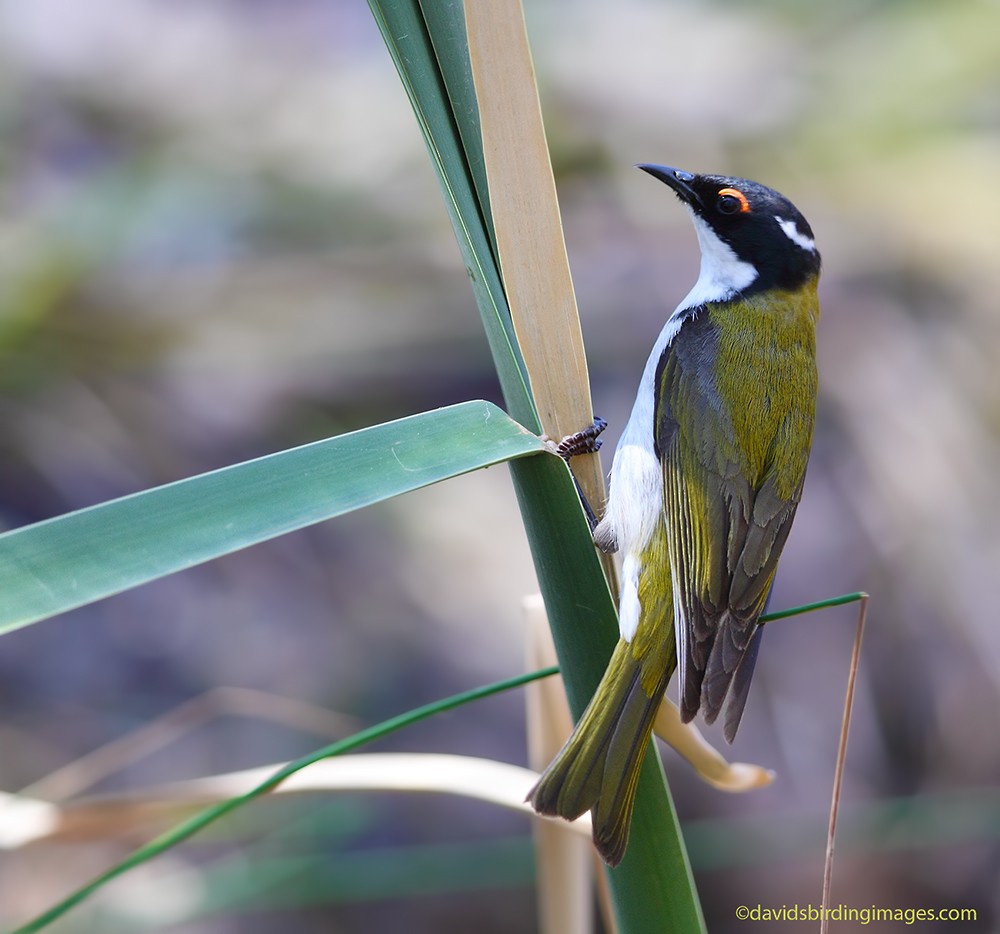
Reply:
x=80, y=557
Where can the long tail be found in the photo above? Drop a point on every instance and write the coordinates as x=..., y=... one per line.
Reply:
x=598, y=768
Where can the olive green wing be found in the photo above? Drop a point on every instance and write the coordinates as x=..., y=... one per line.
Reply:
x=726, y=525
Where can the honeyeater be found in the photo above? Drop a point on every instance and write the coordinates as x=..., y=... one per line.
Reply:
x=704, y=485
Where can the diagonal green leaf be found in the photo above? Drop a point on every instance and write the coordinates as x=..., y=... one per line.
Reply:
x=83, y=556
x=446, y=26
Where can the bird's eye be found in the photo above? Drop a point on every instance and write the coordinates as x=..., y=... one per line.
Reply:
x=728, y=204
x=732, y=201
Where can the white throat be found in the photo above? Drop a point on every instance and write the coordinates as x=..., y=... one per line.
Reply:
x=722, y=273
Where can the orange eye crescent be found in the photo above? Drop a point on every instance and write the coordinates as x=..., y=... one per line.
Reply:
x=739, y=196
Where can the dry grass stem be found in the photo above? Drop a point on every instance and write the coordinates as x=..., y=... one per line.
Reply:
x=85, y=772
x=565, y=861
x=529, y=233
x=838, y=774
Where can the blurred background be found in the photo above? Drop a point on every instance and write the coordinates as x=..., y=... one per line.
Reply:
x=220, y=236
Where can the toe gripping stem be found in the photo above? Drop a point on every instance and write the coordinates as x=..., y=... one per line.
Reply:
x=583, y=442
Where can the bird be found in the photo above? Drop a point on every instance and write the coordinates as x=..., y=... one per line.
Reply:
x=704, y=484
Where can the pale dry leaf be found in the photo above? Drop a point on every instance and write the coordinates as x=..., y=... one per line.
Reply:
x=706, y=760
x=30, y=820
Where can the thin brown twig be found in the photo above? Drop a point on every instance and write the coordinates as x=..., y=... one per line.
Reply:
x=838, y=773
x=88, y=770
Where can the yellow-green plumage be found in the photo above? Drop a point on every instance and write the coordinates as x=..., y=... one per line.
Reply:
x=734, y=459
x=705, y=483
x=767, y=361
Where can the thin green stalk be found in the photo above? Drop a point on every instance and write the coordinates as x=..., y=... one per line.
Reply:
x=842, y=600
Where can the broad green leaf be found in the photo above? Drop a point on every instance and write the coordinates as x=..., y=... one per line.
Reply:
x=72, y=560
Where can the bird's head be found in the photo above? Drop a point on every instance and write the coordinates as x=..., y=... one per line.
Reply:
x=752, y=238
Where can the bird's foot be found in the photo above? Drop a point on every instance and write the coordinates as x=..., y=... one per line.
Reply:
x=582, y=442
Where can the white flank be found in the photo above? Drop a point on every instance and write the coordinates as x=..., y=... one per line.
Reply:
x=635, y=497
x=790, y=230
x=628, y=603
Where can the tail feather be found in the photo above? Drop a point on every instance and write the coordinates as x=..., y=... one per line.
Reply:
x=612, y=813
x=598, y=767
x=597, y=770
x=726, y=675
x=739, y=689
x=729, y=647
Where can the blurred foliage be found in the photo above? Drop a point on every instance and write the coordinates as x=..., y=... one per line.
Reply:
x=219, y=236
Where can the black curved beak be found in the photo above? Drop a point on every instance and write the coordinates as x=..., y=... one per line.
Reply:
x=677, y=179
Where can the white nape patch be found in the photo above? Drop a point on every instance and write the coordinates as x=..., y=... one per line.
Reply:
x=722, y=272
x=790, y=230
x=629, y=609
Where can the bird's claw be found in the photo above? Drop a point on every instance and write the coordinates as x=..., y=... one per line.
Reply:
x=582, y=442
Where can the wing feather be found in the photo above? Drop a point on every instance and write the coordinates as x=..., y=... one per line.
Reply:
x=727, y=518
